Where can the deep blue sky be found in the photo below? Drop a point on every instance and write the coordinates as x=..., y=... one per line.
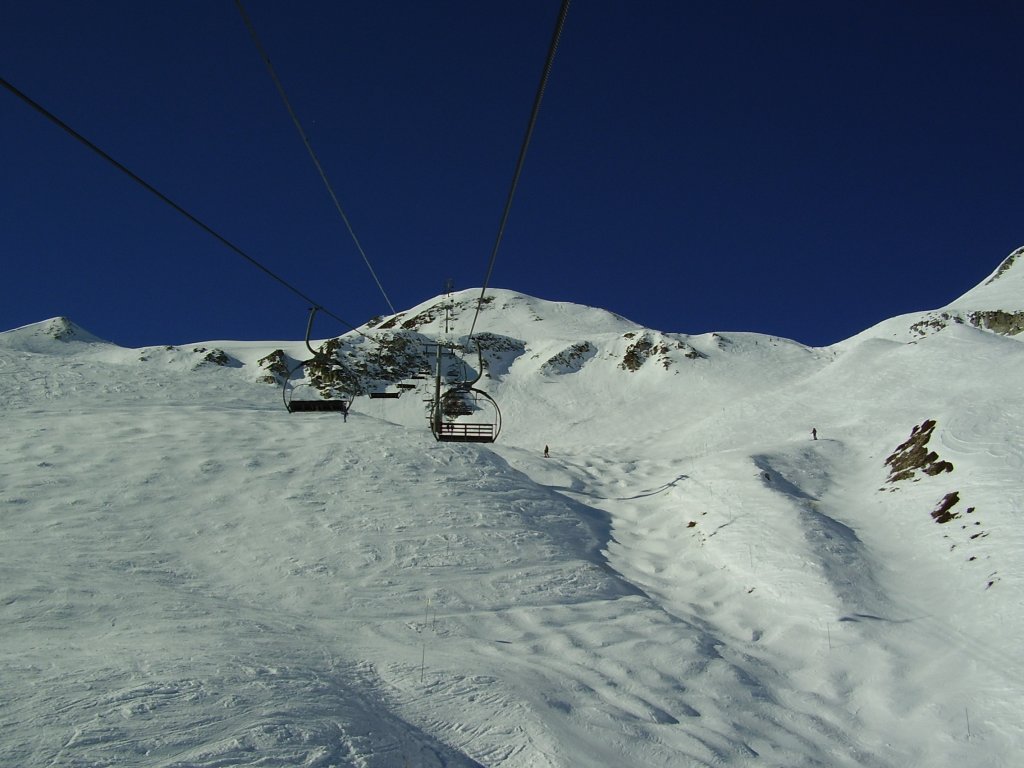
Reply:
x=803, y=169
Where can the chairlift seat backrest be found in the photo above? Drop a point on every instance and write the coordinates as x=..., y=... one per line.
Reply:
x=454, y=432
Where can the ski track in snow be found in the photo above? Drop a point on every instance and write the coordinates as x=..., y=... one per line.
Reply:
x=192, y=577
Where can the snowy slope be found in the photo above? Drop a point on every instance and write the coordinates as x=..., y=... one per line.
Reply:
x=1000, y=290
x=996, y=304
x=194, y=577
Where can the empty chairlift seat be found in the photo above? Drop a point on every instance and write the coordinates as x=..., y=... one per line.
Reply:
x=310, y=406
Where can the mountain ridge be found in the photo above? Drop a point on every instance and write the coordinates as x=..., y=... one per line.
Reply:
x=999, y=294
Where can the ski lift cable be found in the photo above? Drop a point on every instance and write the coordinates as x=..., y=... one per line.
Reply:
x=309, y=148
x=545, y=75
x=150, y=188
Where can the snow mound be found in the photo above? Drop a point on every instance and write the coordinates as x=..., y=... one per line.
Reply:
x=58, y=334
x=503, y=312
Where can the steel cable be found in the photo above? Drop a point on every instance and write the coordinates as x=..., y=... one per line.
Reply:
x=164, y=198
x=309, y=148
x=546, y=73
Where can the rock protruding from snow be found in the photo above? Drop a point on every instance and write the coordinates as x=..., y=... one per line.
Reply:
x=914, y=455
x=570, y=359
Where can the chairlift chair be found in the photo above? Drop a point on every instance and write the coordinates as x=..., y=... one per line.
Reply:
x=306, y=398
x=447, y=422
x=455, y=430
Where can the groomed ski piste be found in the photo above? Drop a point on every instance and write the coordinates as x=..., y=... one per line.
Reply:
x=192, y=576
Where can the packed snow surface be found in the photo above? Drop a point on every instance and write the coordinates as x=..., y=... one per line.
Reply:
x=193, y=576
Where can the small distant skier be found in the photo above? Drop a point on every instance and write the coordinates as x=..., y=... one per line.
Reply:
x=814, y=433
x=546, y=454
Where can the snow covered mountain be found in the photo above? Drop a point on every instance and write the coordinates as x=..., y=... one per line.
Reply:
x=192, y=576
x=994, y=304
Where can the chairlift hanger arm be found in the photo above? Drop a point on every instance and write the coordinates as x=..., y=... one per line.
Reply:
x=309, y=329
x=479, y=365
